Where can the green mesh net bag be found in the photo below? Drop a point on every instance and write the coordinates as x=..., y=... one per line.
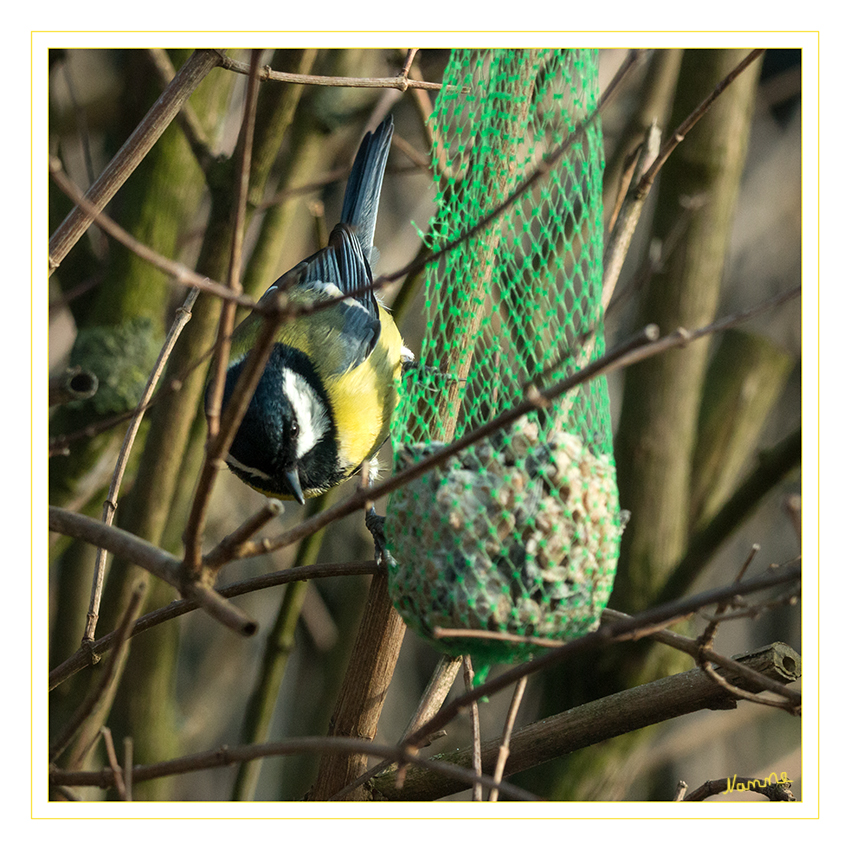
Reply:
x=518, y=534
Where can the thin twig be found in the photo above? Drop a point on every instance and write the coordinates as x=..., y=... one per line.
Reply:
x=87, y=656
x=132, y=152
x=690, y=122
x=505, y=746
x=85, y=708
x=624, y=226
x=742, y=693
x=606, y=634
x=625, y=182
x=225, y=756
x=114, y=766
x=240, y=196
x=402, y=82
x=705, y=643
x=408, y=61
x=182, y=275
x=151, y=558
x=691, y=647
x=229, y=547
x=741, y=611
x=477, y=794
x=110, y=505
x=706, y=639
x=445, y=633
x=187, y=118
x=203, y=493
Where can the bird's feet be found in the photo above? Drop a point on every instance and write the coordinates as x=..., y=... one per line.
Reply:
x=375, y=524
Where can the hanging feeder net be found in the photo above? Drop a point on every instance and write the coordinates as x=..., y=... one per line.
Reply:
x=518, y=534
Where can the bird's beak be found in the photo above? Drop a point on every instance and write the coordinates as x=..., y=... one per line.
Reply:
x=295, y=484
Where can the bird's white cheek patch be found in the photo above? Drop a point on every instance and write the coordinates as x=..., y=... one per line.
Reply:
x=309, y=411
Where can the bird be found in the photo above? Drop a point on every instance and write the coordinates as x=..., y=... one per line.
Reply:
x=325, y=399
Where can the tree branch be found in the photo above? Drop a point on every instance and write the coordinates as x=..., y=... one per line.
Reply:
x=652, y=620
x=599, y=720
x=156, y=561
x=91, y=654
x=225, y=756
x=401, y=82
x=110, y=506
x=131, y=153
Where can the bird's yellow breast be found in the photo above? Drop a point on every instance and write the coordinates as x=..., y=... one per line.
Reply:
x=364, y=398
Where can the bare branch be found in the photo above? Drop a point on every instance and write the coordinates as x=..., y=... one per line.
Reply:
x=477, y=794
x=504, y=747
x=606, y=634
x=85, y=708
x=225, y=756
x=690, y=122
x=156, y=561
x=134, y=150
x=624, y=225
x=187, y=118
x=110, y=506
x=402, y=82
x=691, y=646
x=203, y=493
x=580, y=727
x=91, y=654
x=181, y=274
x=115, y=767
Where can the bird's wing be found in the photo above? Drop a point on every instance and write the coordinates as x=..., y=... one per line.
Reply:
x=346, y=332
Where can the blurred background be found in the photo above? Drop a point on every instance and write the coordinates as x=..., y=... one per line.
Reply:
x=721, y=232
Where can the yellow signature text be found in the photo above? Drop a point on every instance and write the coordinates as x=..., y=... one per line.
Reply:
x=733, y=784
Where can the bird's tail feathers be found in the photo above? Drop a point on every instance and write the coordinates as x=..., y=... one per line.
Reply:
x=363, y=191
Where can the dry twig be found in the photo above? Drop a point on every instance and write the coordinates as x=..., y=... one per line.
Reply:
x=66, y=735
x=110, y=505
x=142, y=139
x=477, y=794
x=203, y=493
x=225, y=756
x=401, y=82
x=608, y=633
x=505, y=746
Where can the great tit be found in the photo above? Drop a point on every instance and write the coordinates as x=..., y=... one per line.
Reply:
x=324, y=401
